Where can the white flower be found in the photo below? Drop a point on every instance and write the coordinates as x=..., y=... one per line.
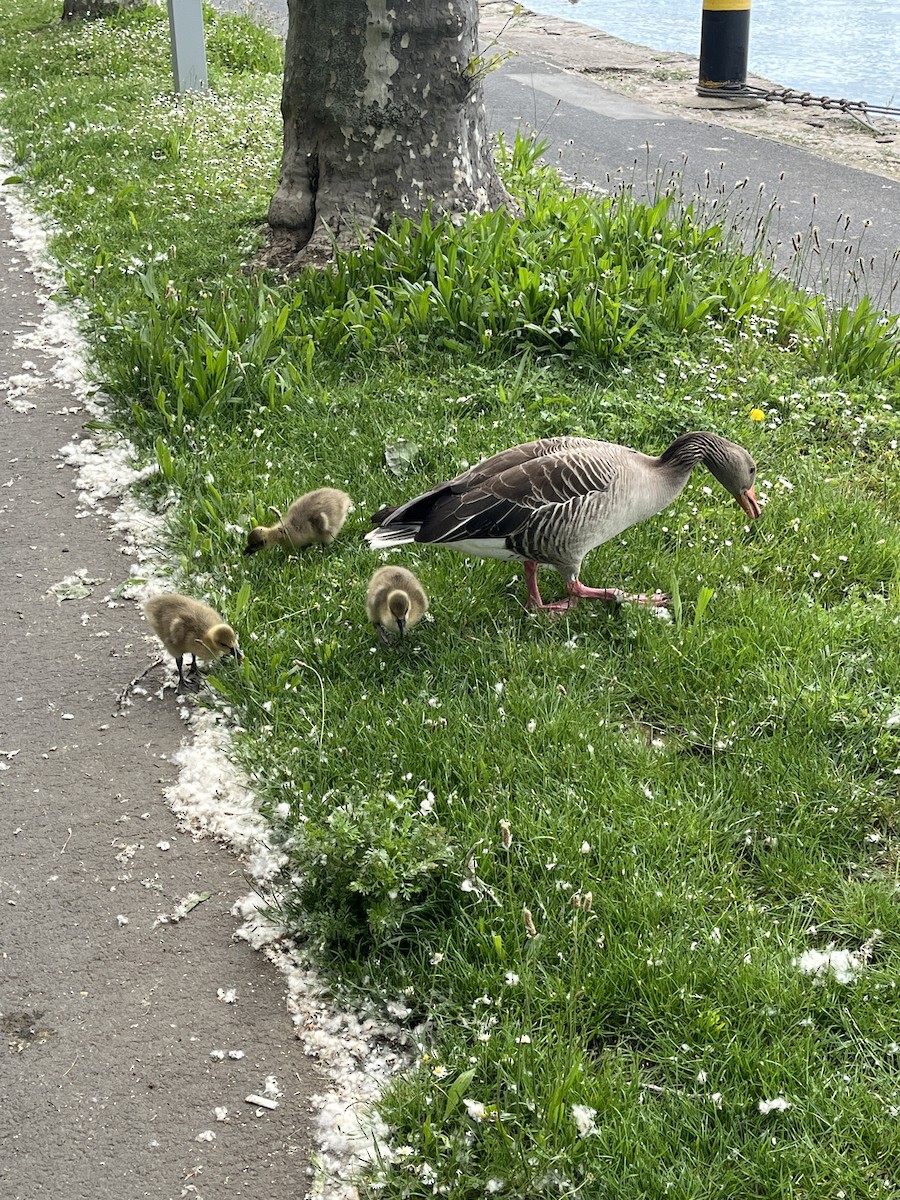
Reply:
x=531, y=726
x=440, y=1071
x=524, y=1040
x=512, y=978
x=779, y=1104
x=585, y=847
x=475, y=1109
x=583, y=1116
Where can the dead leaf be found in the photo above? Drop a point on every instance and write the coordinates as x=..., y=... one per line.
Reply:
x=399, y=455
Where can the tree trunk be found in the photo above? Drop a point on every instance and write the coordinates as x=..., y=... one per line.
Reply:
x=80, y=10
x=383, y=115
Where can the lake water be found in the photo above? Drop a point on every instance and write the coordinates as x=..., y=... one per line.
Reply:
x=847, y=49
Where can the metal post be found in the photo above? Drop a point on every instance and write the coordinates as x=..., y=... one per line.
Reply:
x=188, y=46
x=724, y=47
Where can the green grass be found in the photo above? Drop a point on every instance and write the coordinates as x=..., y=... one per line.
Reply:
x=723, y=784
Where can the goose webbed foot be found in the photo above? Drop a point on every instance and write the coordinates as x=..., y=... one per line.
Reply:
x=192, y=682
x=577, y=590
x=556, y=608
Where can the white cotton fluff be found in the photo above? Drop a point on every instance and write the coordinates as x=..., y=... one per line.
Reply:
x=212, y=797
x=842, y=965
x=583, y=1116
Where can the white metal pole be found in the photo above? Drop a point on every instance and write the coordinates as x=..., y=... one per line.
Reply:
x=188, y=46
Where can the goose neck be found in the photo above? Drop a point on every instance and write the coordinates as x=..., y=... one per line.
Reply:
x=690, y=449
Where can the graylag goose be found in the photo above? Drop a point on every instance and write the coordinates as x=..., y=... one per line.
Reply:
x=316, y=517
x=186, y=626
x=395, y=601
x=547, y=503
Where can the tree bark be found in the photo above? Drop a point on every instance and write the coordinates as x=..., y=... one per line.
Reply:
x=383, y=115
x=81, y=10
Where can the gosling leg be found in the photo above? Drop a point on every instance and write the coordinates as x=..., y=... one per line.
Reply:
x=192, y=683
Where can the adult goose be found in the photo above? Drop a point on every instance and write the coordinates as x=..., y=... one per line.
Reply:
x=547, y=503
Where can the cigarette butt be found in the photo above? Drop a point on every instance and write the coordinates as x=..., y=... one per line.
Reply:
x=262, y=1101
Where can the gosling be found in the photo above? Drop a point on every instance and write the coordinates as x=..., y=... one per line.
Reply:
x=316, y=517
x=395, y=602
x=185, y=626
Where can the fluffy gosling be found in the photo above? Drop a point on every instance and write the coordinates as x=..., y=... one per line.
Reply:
x=185, y=626
x=316, y=517
x=395, y=601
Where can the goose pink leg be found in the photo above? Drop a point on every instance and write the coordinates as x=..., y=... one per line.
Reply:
x=578, y=591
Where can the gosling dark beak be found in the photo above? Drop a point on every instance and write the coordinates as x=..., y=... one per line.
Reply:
x=249, y=549
x=401, y=625
x=749, y=503
x=236, y=651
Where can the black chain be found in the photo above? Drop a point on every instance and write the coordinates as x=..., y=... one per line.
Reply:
x=790, y=96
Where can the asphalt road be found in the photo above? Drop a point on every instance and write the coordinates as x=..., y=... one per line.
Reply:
x=606, y=139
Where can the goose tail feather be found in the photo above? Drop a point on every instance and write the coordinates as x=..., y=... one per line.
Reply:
x=394, y=535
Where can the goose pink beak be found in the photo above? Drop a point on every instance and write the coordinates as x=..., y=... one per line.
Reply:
x=749, y=503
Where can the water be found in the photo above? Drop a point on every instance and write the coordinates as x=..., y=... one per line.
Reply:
x=847, y=49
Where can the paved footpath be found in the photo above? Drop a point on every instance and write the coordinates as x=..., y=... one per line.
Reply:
x=106, y=1028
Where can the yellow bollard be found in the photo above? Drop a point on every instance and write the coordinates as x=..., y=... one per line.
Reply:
x=724, y=47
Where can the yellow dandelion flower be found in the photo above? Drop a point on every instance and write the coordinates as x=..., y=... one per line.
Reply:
x=757, y=414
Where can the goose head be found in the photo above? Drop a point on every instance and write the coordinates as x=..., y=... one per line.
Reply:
x=264, y=535
x=257, y=539
x=398, y=606
x=736, y=471
x=222, y=640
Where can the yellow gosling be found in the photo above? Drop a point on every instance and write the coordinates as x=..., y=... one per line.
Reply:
x=395, y=601
x=316, y=517
x=186, y=626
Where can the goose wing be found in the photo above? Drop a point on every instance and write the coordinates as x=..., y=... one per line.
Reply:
x=502, y=504
x=497, y=464
x=417, y=510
